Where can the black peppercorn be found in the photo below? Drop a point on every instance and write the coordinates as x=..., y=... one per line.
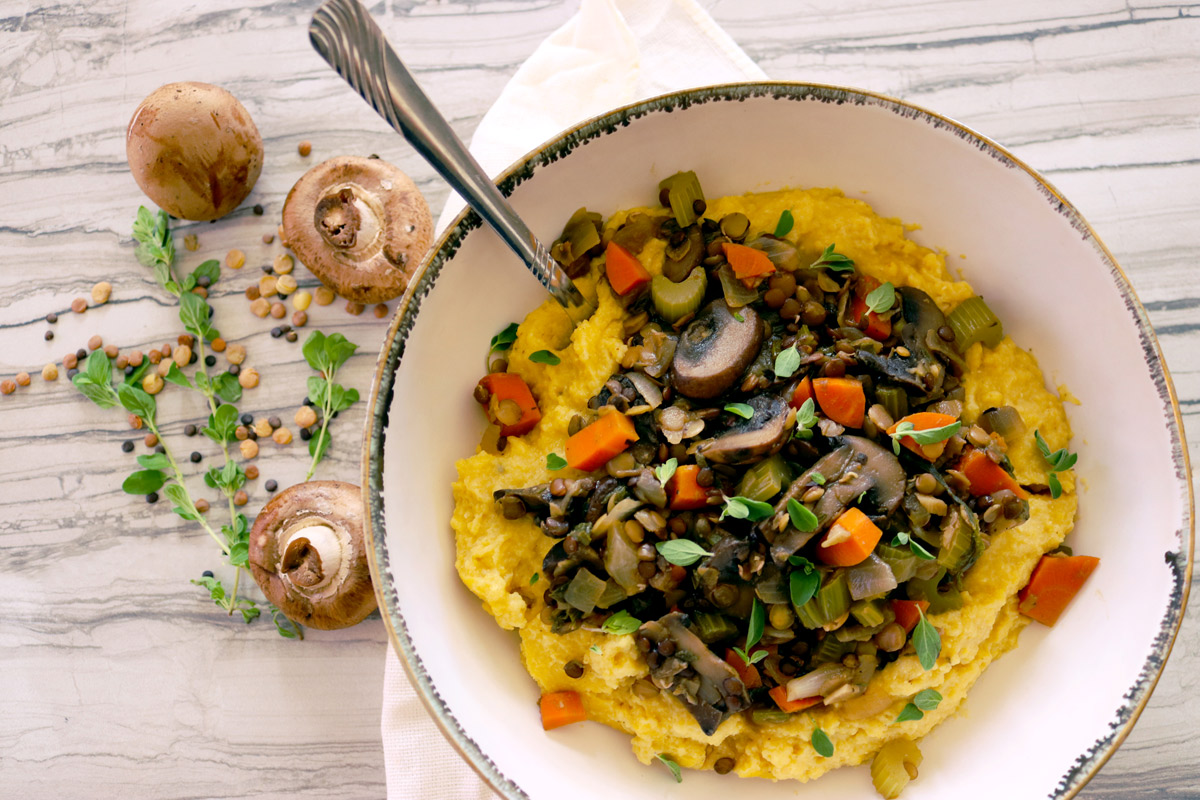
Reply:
x=152, y=497
x=190, y=430
x=271, y=485
x=247, y=419
x=127, y=446
x=210, y=361
x=195, y=457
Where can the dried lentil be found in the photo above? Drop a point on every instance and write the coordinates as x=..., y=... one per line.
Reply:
x=300, y=319
x=248, y=378
x=324, y=295
x=122, y=359
x=136, y=358
x=241, y=498
x=241, y=432
x=95, y=343
x=23, y=379
x=249, y=448
x=305, y=417
x=49, y=373
x=260, y=307
x=8, y=386
x=304, y=148
x=101, y=292
x=135, y=421
x=282, y=436
x=252, y=472
x=278, y=310
x=235, y=353
x=79, y=305
x=354, y=309
x=202, y=505
x=183, y=355
x=235, y=259
x=150, y=440
x=218, y=345
x=263, y=428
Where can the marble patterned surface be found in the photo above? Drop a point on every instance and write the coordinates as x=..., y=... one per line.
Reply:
x=119, y=677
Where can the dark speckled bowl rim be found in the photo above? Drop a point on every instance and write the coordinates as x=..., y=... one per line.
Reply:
x=379, y=402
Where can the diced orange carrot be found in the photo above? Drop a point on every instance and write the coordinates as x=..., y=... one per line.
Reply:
x=986, y=476
x=748, y=264
x=592, y=447
x=625, y=272
x=747, y=672
x=842, y=400
x=804, y=391
x=924, y=421
x=854, y=537
x=779, y=695
x=1054, y=583
x=908, y=612
x=503, y=386
x=683, y=490
x=561, y=708
x=873, y=325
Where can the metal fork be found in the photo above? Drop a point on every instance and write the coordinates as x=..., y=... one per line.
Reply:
x=345, y=35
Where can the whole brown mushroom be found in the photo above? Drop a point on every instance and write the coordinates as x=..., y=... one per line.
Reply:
x=194, y=150
x=308, y=557
x=360, y=225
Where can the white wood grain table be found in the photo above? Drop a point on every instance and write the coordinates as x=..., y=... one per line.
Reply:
x=117, y=677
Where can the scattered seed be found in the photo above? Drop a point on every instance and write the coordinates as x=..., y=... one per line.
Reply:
x=241, y=498
x=195, y=457
x=249, y=448
x=247, y=419
x=268, y=269
x=260, y=307
x=101, y=292
x=191, y=242
x=267, y=286
x=301, y=300
x=150, y=440
x=285, y=284
x=276, y=332
x=79, y=305
x=95, y=343
x=164, y=367
x=234, y=370
x=380, y=310
x=23, y=379
x=154, y=356
x=235, y=259
x=202, y=507
x=49, y=373
x=183, y=356
x=135, y=421
x=160, y=450
x=110, y=350
x=324, y=295
x=263, y=428
x=136, y=358
x=248, y=378
x=190, y=430
x=353, y=308
x=258, y=209
x=252, y=472
x=282, y=436
x=235, y=353
x=70, y=361
x=52, y=318
x=152, y=498
x=305, y=417
x=284, y=264
x=165, y=350
x=271, y=485
x=71, y=373
x=127, y=446
x=300, y=319
x=210, y=360
x=218, y=345
x=241, y=433
x=305, y=434
x=152, y=383
x=304, y=148
x=49, y=335
x=268, y=238
x=278, y=310
x=200, y=291
x=8, y=386
x=291, y=336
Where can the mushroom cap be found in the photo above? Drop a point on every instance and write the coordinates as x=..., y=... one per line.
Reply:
x=194, y=150
x=308, y=557
x=715, y=349
x=360, y=225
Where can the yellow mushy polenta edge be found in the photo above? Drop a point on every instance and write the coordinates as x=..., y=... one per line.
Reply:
x=497, y=557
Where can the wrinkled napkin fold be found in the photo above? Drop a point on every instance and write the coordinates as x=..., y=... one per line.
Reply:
x=611, y=53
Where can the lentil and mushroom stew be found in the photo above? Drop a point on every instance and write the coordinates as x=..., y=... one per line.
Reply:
x=770, y=509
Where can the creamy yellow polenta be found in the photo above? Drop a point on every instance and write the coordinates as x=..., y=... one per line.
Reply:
x=498, y=557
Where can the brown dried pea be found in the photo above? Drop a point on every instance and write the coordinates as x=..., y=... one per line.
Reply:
x=95, y=343
x=380, y=310
x=49, y=373
x=260, y=307
x=235, y=259
x=353, y=308
x=135, y=421
x=268, y=238
x=79, y=305
x=267, y=286
x=282, y=436
x=300, y=319
x=200, y=291
x=164, y=367
x=165, y=350
x=263, y=428
x=23, y=379
x=241, y=498
x=241, y=433
x=249, y=448
x=101, y=292
x=218, y=345
x=304, y=148
x=285, y=284
x=202, y=506
x=111, y=351
x=8, y=386
x=150, y=440
x=248, y=378
x=305, y=417
x=284, y=264
x=301, y=300
x=154, y=356
x=278, y=310
x=136, y=358
x=152, y=383
x=325, y=295
x=235, y=353
x=70, y=361
x=185, y=338
x=252, y=292
x=182, y=355
x=251, y=472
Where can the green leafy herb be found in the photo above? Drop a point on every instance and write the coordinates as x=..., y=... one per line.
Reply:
x=671, y=765
x=784, y=226
x=545, y=357
x=803, y=519
x=746, y=508
x=534, y=578
x=902, y=538
x=806, y=419
x=94, y=381
x=927, y=641
x=555, y=462
x=927, y=436
x=222, y=425
x=665, y=470
x=927, y=699
x=910, y=712
x=787, y=362
x=743, y=410
x=155, y=248
x=882, y=299
x=738, y=316
x=833, y=260
x=758, y=620
x=749, y=659
x=594, y=649
x=817, y=478
x=803, y=585
x=821, y=743
x=144, y=482
x=326, y=354
x=500, y=342
x=621, y=623
x=681, y=552
x=1059, y=461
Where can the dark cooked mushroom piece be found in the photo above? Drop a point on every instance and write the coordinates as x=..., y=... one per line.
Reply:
x=753, y=439
x=920, y=371
x=857, y=468
x=684, y=666
x=715, y=350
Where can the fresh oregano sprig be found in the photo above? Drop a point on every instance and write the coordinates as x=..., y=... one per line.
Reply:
x=1059, y=460
x=326, y=354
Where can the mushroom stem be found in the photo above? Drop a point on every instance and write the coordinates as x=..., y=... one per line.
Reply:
x=312, y=556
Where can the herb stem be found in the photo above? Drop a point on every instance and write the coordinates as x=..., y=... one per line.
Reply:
x=237, y=579
x=178, y=477
x=326, y=411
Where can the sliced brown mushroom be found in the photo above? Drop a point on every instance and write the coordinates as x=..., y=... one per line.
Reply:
x=360, y=225
x=751, y=439
x=715, y=350
x=308, y=557
x=683, y=665
x=858, y=467
x=919, y=371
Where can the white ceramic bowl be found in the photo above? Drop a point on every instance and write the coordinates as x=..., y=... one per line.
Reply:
x=1043, y=718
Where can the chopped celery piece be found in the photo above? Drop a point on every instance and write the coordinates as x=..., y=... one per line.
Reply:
x=613, y=593
x=584, y=590
x=893, y=399
x=765, y=479
x=959, y=545
x=831, y=601
x=674, y=301
x=712, y=627
x=683, y=190
x=972, y=321
x=900, y=559
x=1005, y=421
x=582, y=237
x=868, y=613
x=894, y=766
x=581, y=215
x=767, y=716
x=940, y=600
x=830, y=649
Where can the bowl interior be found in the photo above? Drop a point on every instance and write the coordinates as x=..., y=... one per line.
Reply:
x=1060, y=702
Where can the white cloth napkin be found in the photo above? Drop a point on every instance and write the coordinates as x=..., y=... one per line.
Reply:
x=612, y=52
